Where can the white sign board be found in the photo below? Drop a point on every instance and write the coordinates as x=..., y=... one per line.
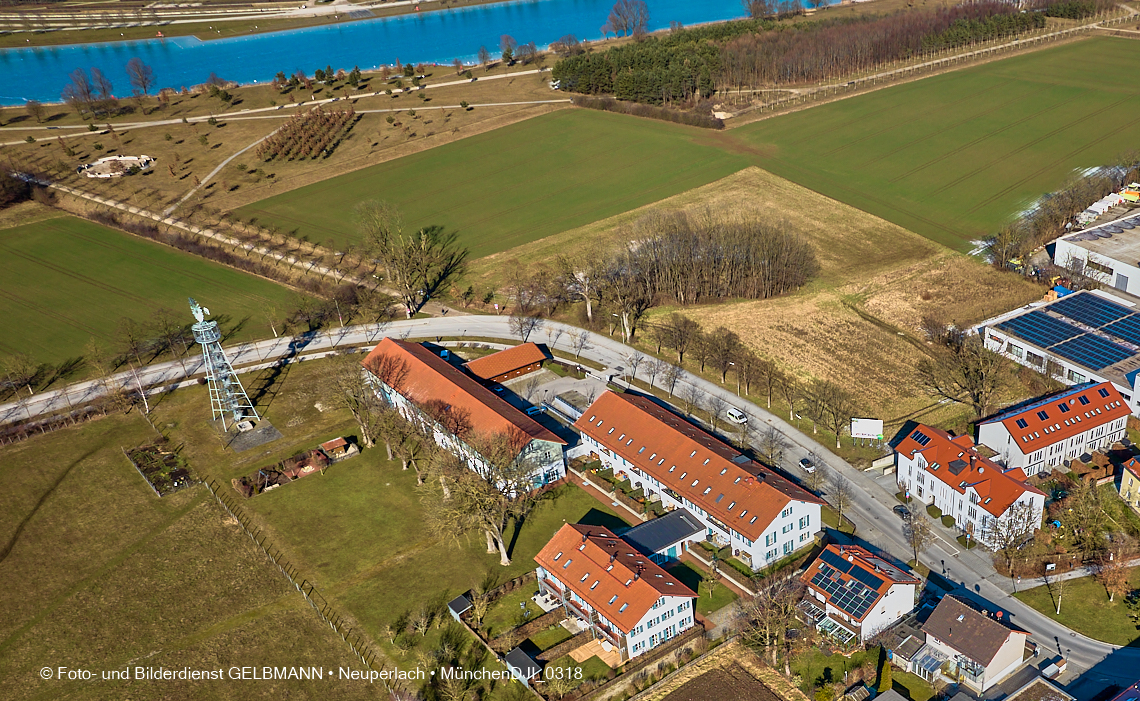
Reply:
x=867, y=428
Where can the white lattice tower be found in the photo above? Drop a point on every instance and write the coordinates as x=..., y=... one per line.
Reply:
x=227, y=396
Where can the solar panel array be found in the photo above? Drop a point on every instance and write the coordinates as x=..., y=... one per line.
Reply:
x=853, y=598
x=920, y=438
x=1040, y=329
x=1073, y=343
x=1092, y=351
x=1090, y=310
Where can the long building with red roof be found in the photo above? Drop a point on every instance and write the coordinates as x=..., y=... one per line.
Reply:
x=1050, y=431
x=622, y=595
x=455, y=408
x=741, y=503
x=947, y=471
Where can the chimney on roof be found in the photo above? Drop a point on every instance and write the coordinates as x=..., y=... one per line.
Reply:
x=585, y=535
x=637, y=573
x=613, y=556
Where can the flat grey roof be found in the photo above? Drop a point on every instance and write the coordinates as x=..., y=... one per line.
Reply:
x=522, y=663
x=658, y=534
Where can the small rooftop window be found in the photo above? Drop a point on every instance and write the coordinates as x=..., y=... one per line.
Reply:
x=694, y=483
x=558, y=556
x=736, y=480
x=595, y=584
x=584, y=577
x=642, y=451
x=693, y=454
x=707, y=490
x=613, y=599
x=724, y=471
x=611, y=430
x=621, y=437
x=731, y=505
x=706, y=462
x=719, y=498
x=566, y=564
x=623, y=608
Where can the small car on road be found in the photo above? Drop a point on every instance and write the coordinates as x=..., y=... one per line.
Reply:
x=807, y=465
x=902, y=511
x=737, y=416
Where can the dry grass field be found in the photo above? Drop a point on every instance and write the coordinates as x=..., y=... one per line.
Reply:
x=98, y=573
x=857, y=323
x=438, y=119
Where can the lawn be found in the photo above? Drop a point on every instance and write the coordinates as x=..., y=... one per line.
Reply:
x=98, y=573
x=816, y=668
x=516, y=184
x=64, y=281
x=1086, y=609
x=721, y=595
x=954, y=156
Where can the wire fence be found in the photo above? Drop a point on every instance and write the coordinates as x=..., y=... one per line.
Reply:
x=360, y=645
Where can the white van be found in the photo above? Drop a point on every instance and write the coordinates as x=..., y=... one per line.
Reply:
x=737, y=416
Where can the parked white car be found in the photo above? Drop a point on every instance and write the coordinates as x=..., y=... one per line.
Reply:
x=736, y=416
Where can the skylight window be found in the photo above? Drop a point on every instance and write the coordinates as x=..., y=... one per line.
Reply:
x=724, y=471
x=736, y=480
x=1064, y=408
x=595, y=584
x=653, y=457
x=752, y=520
x=743, y=513
x=611, y=430
x=674, y=467
x=1022, y=423
x=707, y=490
x=642, y=451
x=1103, y=392
x=1083, y=400
x=629, y=442
x=683, y=475
x=613, y=599
x=592, y=417
x=623, y=608
x=1043, y=415
x=719, y=498
x=584, y=577
x=706, y=462
x=621, y=437
x=693, y=454
x=566, y=564
x=694, y=483
x=731, y=505
x=558, y=556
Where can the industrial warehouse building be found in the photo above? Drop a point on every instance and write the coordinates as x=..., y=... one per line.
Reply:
x=1086, y=336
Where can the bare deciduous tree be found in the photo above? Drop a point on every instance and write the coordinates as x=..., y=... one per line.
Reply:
x=765, y=619
x=579, y=341
x=916, y=531
x=716, y=407
x=140, y=75
x=965, y=372
x=628, y=17
x=523, y=325
x=772, y=445
x=670, y=375
x=693, y=398
x=35, y=110
x=840, y=493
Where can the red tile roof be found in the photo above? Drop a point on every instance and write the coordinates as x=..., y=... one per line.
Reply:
x=1063, y=416
x=743, y=494
x=1133, y=466
x=334, y=444
x=426, y=377
x=879, y=570
x=953, y=460
x=604, y=570
x=505, y=361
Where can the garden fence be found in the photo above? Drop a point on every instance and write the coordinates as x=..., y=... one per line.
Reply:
x=360, y=645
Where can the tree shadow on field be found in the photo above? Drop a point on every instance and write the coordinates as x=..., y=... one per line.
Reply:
x=7, y=548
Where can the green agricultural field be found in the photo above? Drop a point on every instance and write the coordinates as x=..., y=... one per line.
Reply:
x=516, y=184
x=954, y=156
x=66, y=280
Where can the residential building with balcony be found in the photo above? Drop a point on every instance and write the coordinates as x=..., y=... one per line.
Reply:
x=620, y=594
x=1053, y=430
x=762, y=515
x=975, y=647
x=933, y=467
x=853, y=594
x=454, y=408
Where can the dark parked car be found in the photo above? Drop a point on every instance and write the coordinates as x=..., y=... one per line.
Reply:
x=902, y=511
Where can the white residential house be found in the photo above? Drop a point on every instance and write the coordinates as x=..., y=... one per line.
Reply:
x=981, y=650
x=853, y=594
x=453, y=407
x=1053, y=430
x=622, y=596
x=762, y=515
x=933, y=467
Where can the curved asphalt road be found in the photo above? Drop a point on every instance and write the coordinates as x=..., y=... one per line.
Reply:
x=871, y=512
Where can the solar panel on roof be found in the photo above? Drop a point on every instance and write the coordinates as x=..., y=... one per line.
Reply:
x=869, y=578
x=836, y=561
x=1092, y=351
x=920, y=438
x=1090, y=310
x=1127, y=329
x=1039, y=328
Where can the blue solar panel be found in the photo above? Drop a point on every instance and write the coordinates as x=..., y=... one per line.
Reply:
x=1127, y=329
x=1092, y=351
x=1089, y=309
x=1039, y=328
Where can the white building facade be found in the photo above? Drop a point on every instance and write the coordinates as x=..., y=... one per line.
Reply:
x=622, y=596
x=934, y=468
x=761, y=515
x=1052, y=431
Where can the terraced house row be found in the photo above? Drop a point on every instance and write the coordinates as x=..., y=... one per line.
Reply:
x=741, y=503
